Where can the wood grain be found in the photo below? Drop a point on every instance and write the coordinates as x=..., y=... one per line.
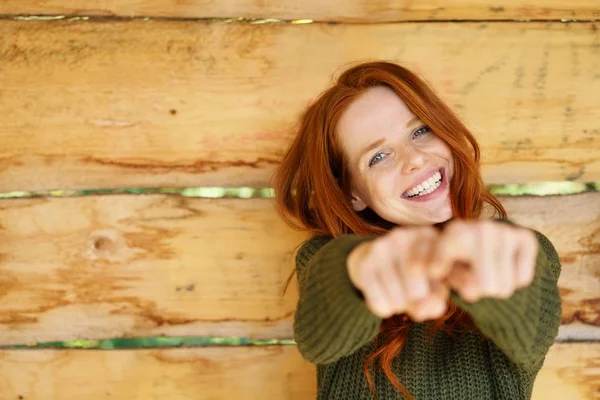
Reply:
x=337, y=10
x=214, y=373
x=133, y=266
x=160, y=103
x=572, y=223
x=570, y=372
x=111, y=266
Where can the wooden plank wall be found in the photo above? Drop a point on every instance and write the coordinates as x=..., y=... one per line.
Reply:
x=178, y=99
x=357, y=11
x=146, y=103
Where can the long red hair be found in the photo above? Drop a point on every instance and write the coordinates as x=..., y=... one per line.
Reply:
x=313, y=185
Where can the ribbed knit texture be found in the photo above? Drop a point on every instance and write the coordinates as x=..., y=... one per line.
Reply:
x=335, y=330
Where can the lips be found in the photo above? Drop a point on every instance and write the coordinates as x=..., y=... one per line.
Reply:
x=422, y=179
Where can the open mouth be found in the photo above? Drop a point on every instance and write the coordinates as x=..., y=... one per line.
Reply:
x=427, y=187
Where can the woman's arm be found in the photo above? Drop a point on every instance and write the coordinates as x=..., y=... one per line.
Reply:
x=525, y=325
x=332, y=319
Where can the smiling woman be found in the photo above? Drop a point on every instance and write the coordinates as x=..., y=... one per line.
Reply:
x=412, y=263
x=403, y=175
x=365, y=146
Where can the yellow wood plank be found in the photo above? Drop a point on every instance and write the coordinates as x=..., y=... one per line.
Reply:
x=111, y=266
x=181, y=103
x=572, y=223
x=214, y=373
x=132, y=266
x=337, y=10
x=570, y=372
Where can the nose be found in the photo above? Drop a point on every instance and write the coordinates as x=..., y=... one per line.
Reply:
x=413, y=159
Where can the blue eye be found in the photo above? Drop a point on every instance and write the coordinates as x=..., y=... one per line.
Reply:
x=419, y=132
x=375, y=160
x=424, y=129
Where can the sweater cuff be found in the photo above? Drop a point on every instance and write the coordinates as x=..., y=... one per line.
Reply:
x=524, y=325
x=334, y=280
x=332, y=319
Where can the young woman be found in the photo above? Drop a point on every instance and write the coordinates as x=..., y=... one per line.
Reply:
x=414, y=284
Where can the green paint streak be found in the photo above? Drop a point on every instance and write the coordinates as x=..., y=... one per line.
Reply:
x=152, y=342
x=543, y=188
x=511, y=189
x=39, y=17
x=202, y=192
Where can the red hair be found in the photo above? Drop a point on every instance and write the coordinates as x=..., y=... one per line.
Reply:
x=313, y=185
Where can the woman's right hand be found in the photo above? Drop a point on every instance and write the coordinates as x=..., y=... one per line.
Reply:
x=392, y=273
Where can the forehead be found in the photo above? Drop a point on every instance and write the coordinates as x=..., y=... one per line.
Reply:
x=377, y=113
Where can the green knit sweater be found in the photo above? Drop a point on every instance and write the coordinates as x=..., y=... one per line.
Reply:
x=336, y=331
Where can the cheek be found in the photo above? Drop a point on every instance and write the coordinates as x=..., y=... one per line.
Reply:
x=385, y=185
x=443, y=149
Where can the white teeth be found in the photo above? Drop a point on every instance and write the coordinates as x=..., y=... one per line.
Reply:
x=426, y=187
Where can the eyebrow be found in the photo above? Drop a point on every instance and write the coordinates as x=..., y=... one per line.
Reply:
x=378, y=142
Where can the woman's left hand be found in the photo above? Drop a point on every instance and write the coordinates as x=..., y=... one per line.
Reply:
x=485, y=258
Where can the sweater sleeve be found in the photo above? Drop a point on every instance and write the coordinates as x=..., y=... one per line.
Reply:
x=332, y=319
x=525, y=325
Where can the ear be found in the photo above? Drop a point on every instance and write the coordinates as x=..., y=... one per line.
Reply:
x=357, y=202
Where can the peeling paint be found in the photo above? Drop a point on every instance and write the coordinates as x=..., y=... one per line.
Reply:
x=269, y=21
x=39, y=17
x=510, y=189
x=154, y=342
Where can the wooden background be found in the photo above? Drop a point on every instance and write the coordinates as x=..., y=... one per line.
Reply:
x=189, y=95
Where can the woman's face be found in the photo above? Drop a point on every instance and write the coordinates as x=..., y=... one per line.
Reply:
x=399, y=167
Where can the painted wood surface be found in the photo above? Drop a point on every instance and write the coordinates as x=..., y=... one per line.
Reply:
x=134, y=266
x=338, y=10
x=570, y=372
x=162, y=103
